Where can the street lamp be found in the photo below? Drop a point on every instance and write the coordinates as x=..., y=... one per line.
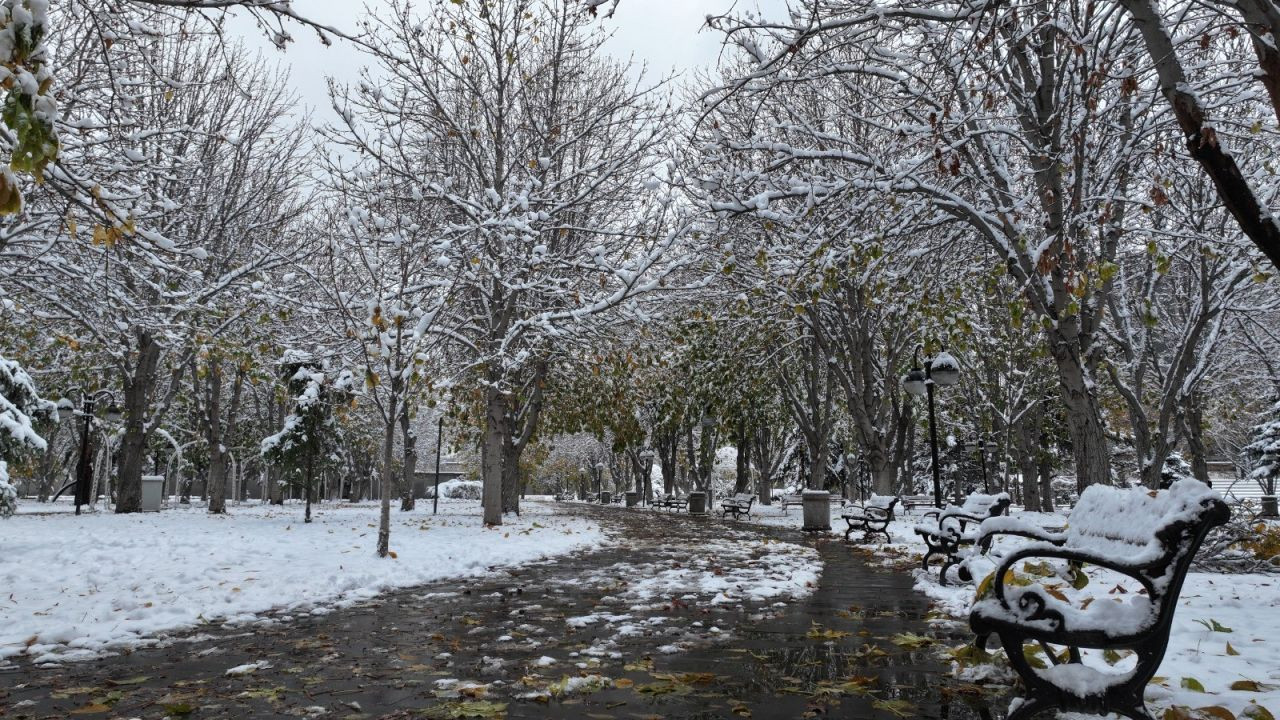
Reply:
x=435, y=499
x=84, y=471
x=985, y=446
x=942, y=370
x=646, y=459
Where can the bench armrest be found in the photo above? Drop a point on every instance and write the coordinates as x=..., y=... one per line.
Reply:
x=874, y=512
x=962, y=517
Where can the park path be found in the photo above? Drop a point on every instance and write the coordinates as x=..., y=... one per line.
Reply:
x=537, y=642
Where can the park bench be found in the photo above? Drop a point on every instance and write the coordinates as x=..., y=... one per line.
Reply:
x=670, y=502
x=791, y=499
x=951, y=530
x=872, y=517
x=911, y=502
x=1146, y=536
x=738, y=505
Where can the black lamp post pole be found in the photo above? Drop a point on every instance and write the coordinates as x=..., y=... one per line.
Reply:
x=982, y=453
x=84, y=471
x=933, y=436
x=435, y=501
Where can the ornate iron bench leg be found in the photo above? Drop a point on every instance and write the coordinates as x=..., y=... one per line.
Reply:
x=884, y=530
x=930, y=550
x=947, y=564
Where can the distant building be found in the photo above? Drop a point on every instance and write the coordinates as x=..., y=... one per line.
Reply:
x=425, y=477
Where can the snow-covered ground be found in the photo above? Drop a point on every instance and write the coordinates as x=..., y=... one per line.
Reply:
x=73, y=588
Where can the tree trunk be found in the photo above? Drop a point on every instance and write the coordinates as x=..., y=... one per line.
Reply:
x=275, y=488
x=48, y=466
x=1090, y=449
x=491, y=454
x=884, y=479
x=217, y=481
x=817, y=462
x=310, y=480
x=666, y=447
x=1046, y=482
x=510, y=476
x=1027, y=438
x=139, y=387
x=883, y=471
x=743, y=467
x=388, y=479
x=1191, y=424
x=212, y=412
x=409, y=470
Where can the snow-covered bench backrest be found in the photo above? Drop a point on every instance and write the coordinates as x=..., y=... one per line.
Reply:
x=979, y=505
x=744, y=498
x=882, y=502
x=1138, y=526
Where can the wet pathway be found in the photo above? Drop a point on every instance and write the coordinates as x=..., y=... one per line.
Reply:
x=570, y=638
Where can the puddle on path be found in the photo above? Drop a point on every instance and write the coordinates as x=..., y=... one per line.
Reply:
x=525, y=632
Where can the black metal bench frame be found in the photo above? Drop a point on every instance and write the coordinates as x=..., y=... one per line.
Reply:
x=671, y=502
x=1180, y=540
x=792, y=499
x=911, y=502
x=739, y=506
x=871, y=518
x=949, y=540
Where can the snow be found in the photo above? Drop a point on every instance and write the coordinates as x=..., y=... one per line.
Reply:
x=81, y=587
x=744, y=569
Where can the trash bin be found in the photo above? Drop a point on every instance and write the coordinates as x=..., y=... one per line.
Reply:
x=817, y=510
x=605, y=497
x=697, y=503
x=633, y=498
x=152, y=492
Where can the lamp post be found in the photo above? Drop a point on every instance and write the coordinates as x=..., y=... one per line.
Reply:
x=646, y=459
x=84, y=470
x=942, y=370
x=435, y=500
x=985, y=446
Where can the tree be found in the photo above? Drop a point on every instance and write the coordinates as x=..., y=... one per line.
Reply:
x=541, y=156
x=194, y=183
x=984, y=121
x=1265, y=451
x=308, y=441
x=1193, y=95
x=20, y=405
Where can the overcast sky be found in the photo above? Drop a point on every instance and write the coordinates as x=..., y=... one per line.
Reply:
x=667, y=35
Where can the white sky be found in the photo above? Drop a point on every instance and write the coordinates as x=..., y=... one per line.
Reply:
x=666, y=35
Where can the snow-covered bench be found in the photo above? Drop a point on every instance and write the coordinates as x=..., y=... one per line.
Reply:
x=738, y=505
x=1147, y=536
x=955, y=527
x=791, y=499
x=911, y=502
x=873, y=516
x=670, y=502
